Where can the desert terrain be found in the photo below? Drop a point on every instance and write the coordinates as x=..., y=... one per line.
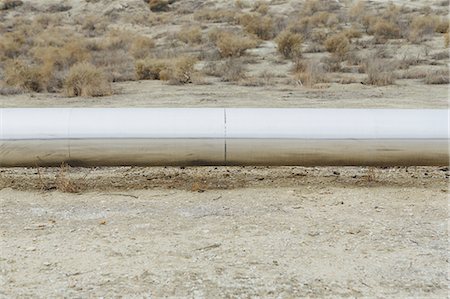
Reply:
x=224, y=232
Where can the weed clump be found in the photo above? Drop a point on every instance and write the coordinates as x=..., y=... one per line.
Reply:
x=141, y=46
x=289, y=44
x=160, y=5
x=384, y=30
x=233, y=45
x=309, y=74
x=379, y=72
x=338, y=44
x=190, y=35
x=86, y=80
x=261, y=26
x=178, y=71
x=20, y=74
x=437, y=77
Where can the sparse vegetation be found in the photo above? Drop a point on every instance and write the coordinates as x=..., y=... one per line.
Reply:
x=176, y=71
x=21, y=75
x=85, y=80
x=379, y=72
x=384, y=30
x=233, y=45
x=338, y=44
x=289, y=44
x=160, y=5
x=232, y=70
x=141, y=46
x=190, y=35
x=37, y=54
x=437, y=77
x=261, y=26
x=310, y=73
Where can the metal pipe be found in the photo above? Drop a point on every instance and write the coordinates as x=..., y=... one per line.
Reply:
x=222, y=136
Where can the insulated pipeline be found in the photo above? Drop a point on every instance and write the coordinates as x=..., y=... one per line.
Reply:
x=222, y=136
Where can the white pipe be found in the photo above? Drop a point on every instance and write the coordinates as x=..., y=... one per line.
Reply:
x=222, y=136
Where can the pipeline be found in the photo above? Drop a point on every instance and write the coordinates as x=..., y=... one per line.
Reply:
x=222, y=136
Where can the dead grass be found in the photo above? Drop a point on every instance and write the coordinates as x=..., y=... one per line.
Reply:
x=20, y=74
x=181, y=70
x=150, y=68
x=190, y=35
x=310, y=73
x=216, y=15
x=233, y=45
x=380, y=72
x=289, y=44
x=384, y=30
x=422, y=28
x=11, y=45
x=9, y=4
x=86, y=80
x=176, y=71
x=141, y=46
x=160, y=5
x=261, y=26
x=338, y=45
x=232, y=70
x=437, y=77
x=63, y=181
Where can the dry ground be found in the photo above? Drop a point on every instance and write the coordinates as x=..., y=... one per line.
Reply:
x=233, y=232
x=225, y=232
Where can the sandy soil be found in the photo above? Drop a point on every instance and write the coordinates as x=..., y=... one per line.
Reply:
x=225, y=232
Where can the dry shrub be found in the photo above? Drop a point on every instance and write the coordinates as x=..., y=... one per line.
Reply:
x=160, y=5
x=86, y=80
x=437, y=77
x=117, y=64
x=310, y=74
x=63, y=181
x=352, y=33
x=233, y=45
x=93, y=25
x=241, y=4
x=379, y=72
x=11, y=45
x=232, y=70
x=58, y=7
x=422, y=27
x=358, y=10
x=311, y=7
x=216, y=16
x=19, y=74
x=75, y=51
x=383, y=30
x=141, y=46
x=261, y=7
x=8, y=4
x=54, y=36
x=302, y=26
x=190, y=35
x=8, y=90
x=443, y=26
x=261, y=26
x=150, y=68
x=289, y=44
x=446, y=40
x=338, y=44
x=181, y=70
x=176, y=71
